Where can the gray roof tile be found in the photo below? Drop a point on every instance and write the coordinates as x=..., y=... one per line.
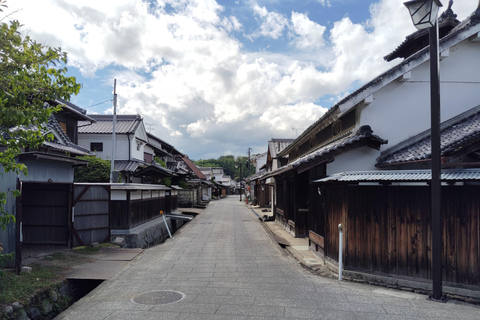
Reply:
x=104, y=124
x=363, y=134
x=403, y=176
x=455, y=135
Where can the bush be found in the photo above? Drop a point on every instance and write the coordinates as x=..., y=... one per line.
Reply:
x=97, y=170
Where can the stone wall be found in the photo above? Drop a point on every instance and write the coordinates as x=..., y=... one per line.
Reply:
x=187, y=198
x=148, y=234
x=44, y=305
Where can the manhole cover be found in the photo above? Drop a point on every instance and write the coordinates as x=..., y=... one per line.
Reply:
x=159, y=297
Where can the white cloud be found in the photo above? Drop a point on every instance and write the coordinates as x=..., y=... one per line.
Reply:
x=298, y=116
x=179, y=65
x=272, y=23
x=307, y=33
x=325, y=3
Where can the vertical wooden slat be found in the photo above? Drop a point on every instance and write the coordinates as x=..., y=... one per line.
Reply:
x=392, y=232
x=402, y=250
x=473, y=249
x=449, y=236
x=411, y=236
x=422, y=231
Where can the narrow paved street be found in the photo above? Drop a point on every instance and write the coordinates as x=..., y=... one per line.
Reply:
x=224, y=265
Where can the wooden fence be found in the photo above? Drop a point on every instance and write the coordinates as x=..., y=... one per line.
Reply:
x=91, y=214
x=387, y=230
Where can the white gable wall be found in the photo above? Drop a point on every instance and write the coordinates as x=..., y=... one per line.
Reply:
x=261, y=160
x=356, y=160
x=139, y=142
x=122, y=145
x=401, y=109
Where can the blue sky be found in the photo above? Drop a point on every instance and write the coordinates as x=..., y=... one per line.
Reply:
x=212, y=77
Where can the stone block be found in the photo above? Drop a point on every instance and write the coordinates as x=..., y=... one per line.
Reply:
x=26, y=269
x=119, y=241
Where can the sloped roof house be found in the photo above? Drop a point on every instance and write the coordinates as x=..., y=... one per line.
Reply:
x=45, y=191
x=385, y=125
x=135, y=148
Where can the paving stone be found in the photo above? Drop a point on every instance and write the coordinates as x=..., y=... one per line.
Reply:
x=229, y=268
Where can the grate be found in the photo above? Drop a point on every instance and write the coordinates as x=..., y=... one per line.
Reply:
x=159, y=297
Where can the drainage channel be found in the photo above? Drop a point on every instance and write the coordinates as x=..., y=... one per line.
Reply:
x=82, y=287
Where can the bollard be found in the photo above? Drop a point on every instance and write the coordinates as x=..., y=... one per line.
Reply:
x=340, y=253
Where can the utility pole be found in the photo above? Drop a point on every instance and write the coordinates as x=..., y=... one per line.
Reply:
x=248, y=152
x=112, y=164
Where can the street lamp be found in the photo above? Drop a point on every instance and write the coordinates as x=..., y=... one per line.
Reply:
x=425, y=15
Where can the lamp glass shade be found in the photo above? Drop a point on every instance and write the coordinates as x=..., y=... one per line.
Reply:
x=424, y=13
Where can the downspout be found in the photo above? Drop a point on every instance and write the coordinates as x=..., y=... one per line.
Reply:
x=129, y=147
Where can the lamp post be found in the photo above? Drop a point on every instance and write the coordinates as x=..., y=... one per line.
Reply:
x=424, y=14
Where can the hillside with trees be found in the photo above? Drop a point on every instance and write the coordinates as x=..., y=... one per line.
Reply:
x=228, y=164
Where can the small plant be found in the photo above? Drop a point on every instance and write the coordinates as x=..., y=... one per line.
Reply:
x=182, y=184
x=86, y=249
x=3, y=259
x=20, y=287
x=55, y=256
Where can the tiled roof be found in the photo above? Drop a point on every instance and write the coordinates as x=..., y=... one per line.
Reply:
x=160, y=144
x=403, y=176
x=193, y=168
x=419, y=39
x=61, y=141
x=104, y=124
x=456, y=135
x=75, y=111
x=152, y=169
x=364, y=134
x=73, y=149
x=126, y=165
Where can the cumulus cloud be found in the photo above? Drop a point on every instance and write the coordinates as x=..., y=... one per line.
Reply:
x=272, y=24
x=179, y=64
x=307, y=33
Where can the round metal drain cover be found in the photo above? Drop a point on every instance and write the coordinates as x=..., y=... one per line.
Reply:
x=159, y=297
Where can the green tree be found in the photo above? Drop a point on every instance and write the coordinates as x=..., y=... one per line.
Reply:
x=30, y=75
x=230, y=165
x=97, y=170
x=207, y=163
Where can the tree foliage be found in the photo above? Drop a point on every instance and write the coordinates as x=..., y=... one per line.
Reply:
x=30, y=75
x=97, y=170
x=231, y=166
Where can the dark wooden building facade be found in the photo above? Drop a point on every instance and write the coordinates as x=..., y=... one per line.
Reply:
x=387, y=228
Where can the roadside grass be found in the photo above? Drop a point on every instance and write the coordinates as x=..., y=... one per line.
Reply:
x=47, y=272
x=21, y=287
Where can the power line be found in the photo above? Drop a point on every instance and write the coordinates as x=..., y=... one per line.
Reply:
x=100, y=103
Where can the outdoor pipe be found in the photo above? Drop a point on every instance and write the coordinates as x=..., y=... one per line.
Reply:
x=166, y=224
